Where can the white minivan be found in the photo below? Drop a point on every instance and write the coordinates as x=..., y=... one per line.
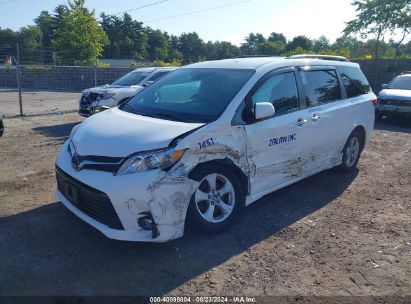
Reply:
x=209, y=139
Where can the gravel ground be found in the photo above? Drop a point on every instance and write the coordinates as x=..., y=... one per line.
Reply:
x=331, y=234
x=38, y=102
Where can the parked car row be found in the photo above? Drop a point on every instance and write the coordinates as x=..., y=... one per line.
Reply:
x=208, y=139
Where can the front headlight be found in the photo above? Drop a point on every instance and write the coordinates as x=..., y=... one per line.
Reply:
x=158, y=159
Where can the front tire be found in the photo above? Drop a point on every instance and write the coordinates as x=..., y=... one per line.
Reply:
x=218, y=200
x=352, y=151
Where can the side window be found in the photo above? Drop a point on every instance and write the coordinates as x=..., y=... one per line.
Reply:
x=281, y=91
x=320, y=86
x=354, y=81
x=158, y=76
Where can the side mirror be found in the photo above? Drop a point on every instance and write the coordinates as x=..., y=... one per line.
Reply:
x=148, y=83
x=384, y=86
x=264, y=110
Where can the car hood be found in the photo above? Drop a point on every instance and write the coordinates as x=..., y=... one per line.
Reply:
x=116, y=133
x=395, y=94
x=114, y=88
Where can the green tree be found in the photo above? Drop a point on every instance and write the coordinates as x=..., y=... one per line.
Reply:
x=127, y=37
x=8, y=38
x=400, y=21
x=192, y=47
x=80, y=40
x=274, y=37
x=226, y=49
x=373, y=18
x=157, y=45
x=30, y=37
x=321, y=44
x=301, y=42
x=271, y=48
x=250, y=47
x=47, y=25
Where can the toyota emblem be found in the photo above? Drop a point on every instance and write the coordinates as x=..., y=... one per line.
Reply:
x=75, y=162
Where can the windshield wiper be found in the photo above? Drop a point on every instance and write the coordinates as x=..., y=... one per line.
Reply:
x=125, y=104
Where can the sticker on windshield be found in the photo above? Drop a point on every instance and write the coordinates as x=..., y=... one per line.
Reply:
x=282, y=140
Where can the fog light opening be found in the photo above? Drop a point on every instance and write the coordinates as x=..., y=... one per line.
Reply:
x=147, y=223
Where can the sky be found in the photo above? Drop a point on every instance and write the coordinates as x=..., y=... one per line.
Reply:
x=228, y=20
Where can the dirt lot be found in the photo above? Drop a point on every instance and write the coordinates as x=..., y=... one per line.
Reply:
x=331, y=234
x=37, y=102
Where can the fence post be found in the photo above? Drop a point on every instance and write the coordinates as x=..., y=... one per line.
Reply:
x=19, y=80
x=95, y=75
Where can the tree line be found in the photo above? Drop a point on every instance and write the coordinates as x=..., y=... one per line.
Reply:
x=72, y=35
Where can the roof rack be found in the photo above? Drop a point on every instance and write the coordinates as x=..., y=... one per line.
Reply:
x=405, y=72
x=252, y=56
x=315, y=56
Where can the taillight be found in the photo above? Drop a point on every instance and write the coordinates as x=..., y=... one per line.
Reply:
x=375, y=102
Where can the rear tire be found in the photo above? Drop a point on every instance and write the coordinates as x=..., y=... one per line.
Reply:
x=218, y=200
x=352, y=151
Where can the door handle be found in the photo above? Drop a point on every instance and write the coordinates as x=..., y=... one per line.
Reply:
x=301, y=122
x=315, y=117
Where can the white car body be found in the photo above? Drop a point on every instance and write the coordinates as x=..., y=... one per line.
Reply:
x=394, y=101
x=110, y=95
x=270, y=153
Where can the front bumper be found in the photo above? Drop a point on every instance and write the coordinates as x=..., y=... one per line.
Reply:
x=393, y=110
x=165, y=195
x=87, y=104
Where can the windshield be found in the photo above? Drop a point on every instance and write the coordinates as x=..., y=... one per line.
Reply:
x=189, y=95
x=132, y=78
x=401, y=83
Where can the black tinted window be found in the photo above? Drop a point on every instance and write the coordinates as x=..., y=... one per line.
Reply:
x=281, y=91
x=354, y=81
x=320, y=86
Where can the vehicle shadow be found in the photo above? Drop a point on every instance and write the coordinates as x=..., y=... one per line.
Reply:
x=49, y=251
x=394, y=124
x=60, y=132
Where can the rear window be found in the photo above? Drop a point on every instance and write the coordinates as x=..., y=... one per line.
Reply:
x=320, y=86
x=132, y=78
x=354, y=81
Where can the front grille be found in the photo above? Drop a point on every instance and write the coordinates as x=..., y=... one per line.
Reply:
x=396, y=102
x=92, y=202
x=98, y=163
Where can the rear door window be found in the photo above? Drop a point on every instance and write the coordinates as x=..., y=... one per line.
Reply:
x=354, y=81
x=320, y=86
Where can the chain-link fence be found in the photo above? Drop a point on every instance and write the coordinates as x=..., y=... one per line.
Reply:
x=34, y=89
x=47, y=89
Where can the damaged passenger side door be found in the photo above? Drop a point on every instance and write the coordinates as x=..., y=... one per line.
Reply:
x=278, y=147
